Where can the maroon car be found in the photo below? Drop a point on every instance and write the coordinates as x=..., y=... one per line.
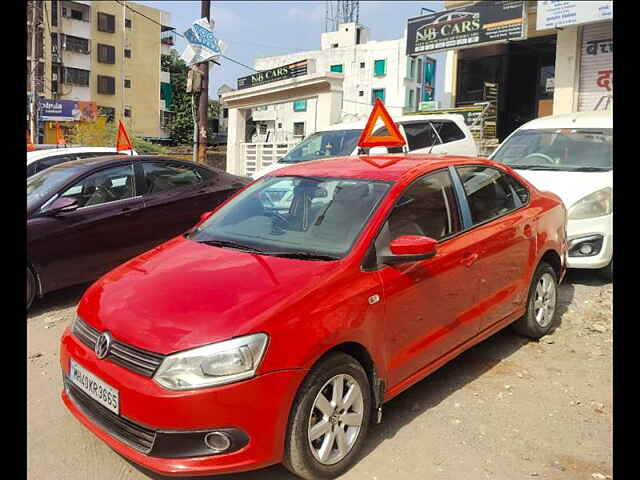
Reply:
x=87, y=216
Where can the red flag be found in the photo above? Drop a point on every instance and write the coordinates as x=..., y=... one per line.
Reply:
x=122, y=139
x=30, y=146
x=59, y=135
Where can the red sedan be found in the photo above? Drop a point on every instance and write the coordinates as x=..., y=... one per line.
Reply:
x=276, y=329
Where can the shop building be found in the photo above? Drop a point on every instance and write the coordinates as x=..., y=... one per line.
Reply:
x=370, y=70
x=540, y=58
x=104, y=60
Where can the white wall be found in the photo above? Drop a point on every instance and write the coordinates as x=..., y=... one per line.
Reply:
x=356, y=78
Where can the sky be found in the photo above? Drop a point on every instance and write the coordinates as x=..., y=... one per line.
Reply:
x=253, y=29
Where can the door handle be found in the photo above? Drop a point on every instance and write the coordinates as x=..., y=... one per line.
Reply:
x=469, y=259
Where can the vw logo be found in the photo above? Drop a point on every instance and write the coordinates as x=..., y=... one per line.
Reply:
x=103, y=344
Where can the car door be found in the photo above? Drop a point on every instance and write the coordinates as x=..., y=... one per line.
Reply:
x=428, y=304
x=453, y=141
x=83, y=244
x=175, y=195
x=503, y=236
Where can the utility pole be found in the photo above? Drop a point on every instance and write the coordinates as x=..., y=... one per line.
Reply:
x=33, y=120
x=204, y=96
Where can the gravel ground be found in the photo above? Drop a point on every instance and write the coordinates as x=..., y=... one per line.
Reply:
x=506, y=409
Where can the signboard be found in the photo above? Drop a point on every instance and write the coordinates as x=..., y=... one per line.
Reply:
x=202, y=45
x=292, y=70
x=467, y=26
x=426, y=106
x=66, y=111
x=556, y=14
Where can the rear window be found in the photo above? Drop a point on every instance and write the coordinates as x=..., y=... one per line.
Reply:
x=448, y=131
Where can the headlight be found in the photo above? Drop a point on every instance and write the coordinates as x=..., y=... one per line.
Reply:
x=595, y=205
x=215, y=364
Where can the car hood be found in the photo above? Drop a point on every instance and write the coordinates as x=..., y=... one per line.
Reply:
x=183, y=294
x=569, y=186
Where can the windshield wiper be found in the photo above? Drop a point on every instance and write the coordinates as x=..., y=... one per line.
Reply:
x=588, y=169
x=230, y=244
x=301, y=255
x=533, y=167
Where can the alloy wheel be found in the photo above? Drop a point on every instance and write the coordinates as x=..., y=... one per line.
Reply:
x=336, y=419
x=544, y=305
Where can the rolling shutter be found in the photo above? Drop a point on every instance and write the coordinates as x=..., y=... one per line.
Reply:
x=595, y=67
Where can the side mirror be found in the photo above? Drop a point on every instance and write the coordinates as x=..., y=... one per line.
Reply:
x=62, y=205
x=410, y=248
x=205, y=216
x=378, y=151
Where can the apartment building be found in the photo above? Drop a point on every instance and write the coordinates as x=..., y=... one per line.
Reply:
x=106, y=57
x=371, y=69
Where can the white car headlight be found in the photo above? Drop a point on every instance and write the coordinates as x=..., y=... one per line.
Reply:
x=596, y=204
x=215, y=364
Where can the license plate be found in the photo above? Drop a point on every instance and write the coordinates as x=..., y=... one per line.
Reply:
x=97, y=389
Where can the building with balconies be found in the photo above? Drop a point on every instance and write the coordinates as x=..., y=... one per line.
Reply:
x=107, y=54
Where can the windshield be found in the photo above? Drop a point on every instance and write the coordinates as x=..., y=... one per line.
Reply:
x=559, y=149
x=301, y=217
x=334, y=143
x=45, y=183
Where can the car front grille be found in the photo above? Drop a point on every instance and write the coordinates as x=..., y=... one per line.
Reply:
x=132, y=358
x=134, y=435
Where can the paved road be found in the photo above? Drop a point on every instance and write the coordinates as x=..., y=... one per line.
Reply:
x=506, y=409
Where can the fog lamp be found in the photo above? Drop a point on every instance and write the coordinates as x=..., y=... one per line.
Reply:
x=217, y=441
x=586, y=249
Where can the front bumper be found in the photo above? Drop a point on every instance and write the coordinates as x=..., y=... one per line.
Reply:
x=258, y=407
x=579, y=229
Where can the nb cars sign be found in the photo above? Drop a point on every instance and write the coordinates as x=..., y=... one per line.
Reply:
x=469, y=25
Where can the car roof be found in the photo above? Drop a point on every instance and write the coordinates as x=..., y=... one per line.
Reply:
x=52, y=152
x=392, y=167
x=597, y=119
x=92, y=162
x=401, y=119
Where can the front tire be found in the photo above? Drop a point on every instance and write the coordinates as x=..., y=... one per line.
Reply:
x=31, y=287
x=329, y=419
x=541, y=304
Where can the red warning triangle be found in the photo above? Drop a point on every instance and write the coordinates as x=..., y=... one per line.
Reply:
x=367, y=140
x=122, y=139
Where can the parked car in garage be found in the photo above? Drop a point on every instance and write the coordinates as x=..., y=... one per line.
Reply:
x=86, y=216
x=41, y=159
x=275, y=329
x=446, y=134
x=572, y=156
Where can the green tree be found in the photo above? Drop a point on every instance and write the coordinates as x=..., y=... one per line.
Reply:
x=182, y=125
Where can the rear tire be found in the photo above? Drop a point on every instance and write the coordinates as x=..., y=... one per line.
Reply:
x=31, y=287
x=541, y=304
x=338, y=428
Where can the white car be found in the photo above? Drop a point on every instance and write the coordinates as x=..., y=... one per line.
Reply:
x=572, y=156
x=38, y=160
x=424, y=134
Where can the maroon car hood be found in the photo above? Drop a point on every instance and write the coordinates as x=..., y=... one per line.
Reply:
x=184, y=294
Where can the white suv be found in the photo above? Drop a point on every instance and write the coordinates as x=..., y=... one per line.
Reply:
x=424, y=134
x=572, y=156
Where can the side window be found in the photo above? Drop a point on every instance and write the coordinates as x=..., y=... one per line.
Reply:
x=108, y=185
x=161, y=177
x=490, y=192
x=448, y=131
x=428, y=208
x=520, y=190
x=206, y=175
x=419, y=135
